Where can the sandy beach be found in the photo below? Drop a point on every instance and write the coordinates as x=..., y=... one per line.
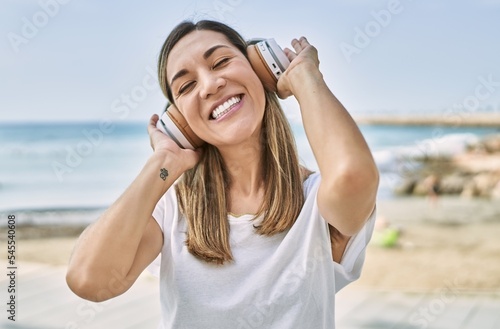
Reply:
x=453, y=241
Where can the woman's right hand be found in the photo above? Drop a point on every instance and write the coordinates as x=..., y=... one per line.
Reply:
x=161, y=143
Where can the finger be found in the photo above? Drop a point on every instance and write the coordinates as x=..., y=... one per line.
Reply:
x=282, y=91
x=304, y=42
x=297, y=46
x=154, y=119
x=289, y=54
x=283, y=95
x=152, y=124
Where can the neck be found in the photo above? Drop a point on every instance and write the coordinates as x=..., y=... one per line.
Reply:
x=244, y=166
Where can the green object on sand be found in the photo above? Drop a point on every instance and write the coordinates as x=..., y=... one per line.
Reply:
x=387, y=237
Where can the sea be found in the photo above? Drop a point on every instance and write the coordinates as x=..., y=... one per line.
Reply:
x=54, y=166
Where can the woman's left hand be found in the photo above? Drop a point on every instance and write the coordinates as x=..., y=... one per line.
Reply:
x=303, y=61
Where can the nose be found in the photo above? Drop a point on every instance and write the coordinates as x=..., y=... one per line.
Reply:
x=211, y=82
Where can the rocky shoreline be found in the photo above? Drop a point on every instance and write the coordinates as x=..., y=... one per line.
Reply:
x=450, y=119
x=473, y=173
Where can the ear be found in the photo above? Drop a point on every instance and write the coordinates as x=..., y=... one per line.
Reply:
x=268, y=61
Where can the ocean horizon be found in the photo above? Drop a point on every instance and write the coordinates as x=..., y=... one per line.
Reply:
x=60, y=165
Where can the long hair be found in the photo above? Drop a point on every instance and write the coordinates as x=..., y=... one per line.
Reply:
x=202, y=191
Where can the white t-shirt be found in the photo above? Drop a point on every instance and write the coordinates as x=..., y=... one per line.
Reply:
x=288, y=280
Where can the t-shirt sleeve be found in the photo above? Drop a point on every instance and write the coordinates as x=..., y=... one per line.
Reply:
x=164, y=213
x=353, y=258
x=349, y=268
x=165, y=209
x=159, y=211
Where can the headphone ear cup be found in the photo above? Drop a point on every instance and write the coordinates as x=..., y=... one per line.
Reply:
x=173, y=124
x=261, y=68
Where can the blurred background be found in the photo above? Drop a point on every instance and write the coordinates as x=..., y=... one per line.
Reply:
x=422, y=79
x=79, y=82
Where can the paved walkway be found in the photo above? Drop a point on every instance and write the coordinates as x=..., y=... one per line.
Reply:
x=45, y=302
x=446, y=309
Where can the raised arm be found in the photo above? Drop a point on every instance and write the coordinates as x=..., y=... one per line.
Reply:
x=112, y=252
x=347, y=192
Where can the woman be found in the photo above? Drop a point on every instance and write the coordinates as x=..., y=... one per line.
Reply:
x=248, y=238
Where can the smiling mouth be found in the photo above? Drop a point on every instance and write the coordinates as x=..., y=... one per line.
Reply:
x=225, y=107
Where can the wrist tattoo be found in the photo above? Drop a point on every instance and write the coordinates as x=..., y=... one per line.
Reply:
x=163, y=173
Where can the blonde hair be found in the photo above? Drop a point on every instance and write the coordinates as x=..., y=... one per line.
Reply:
x=202, y=191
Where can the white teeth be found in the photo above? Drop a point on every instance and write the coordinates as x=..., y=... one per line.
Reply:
x=224, y=108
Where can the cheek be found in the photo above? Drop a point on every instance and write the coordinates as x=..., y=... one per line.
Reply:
x=255, y=87
x=260, y=96
x=189, y=113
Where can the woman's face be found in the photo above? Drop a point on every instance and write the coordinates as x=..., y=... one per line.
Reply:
x=215, y=88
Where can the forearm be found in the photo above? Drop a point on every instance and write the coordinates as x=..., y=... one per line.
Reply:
x=335, y=139
x=108, y=247
x=349, y=175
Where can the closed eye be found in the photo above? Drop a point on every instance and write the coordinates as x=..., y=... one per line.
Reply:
x=221, y=62
x=186, y=87
x=190, y=85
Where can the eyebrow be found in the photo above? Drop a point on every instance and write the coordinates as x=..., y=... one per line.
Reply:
x=211, y=50
x=206, y=55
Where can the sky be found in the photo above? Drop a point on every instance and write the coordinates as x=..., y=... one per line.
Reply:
x=76, y=60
